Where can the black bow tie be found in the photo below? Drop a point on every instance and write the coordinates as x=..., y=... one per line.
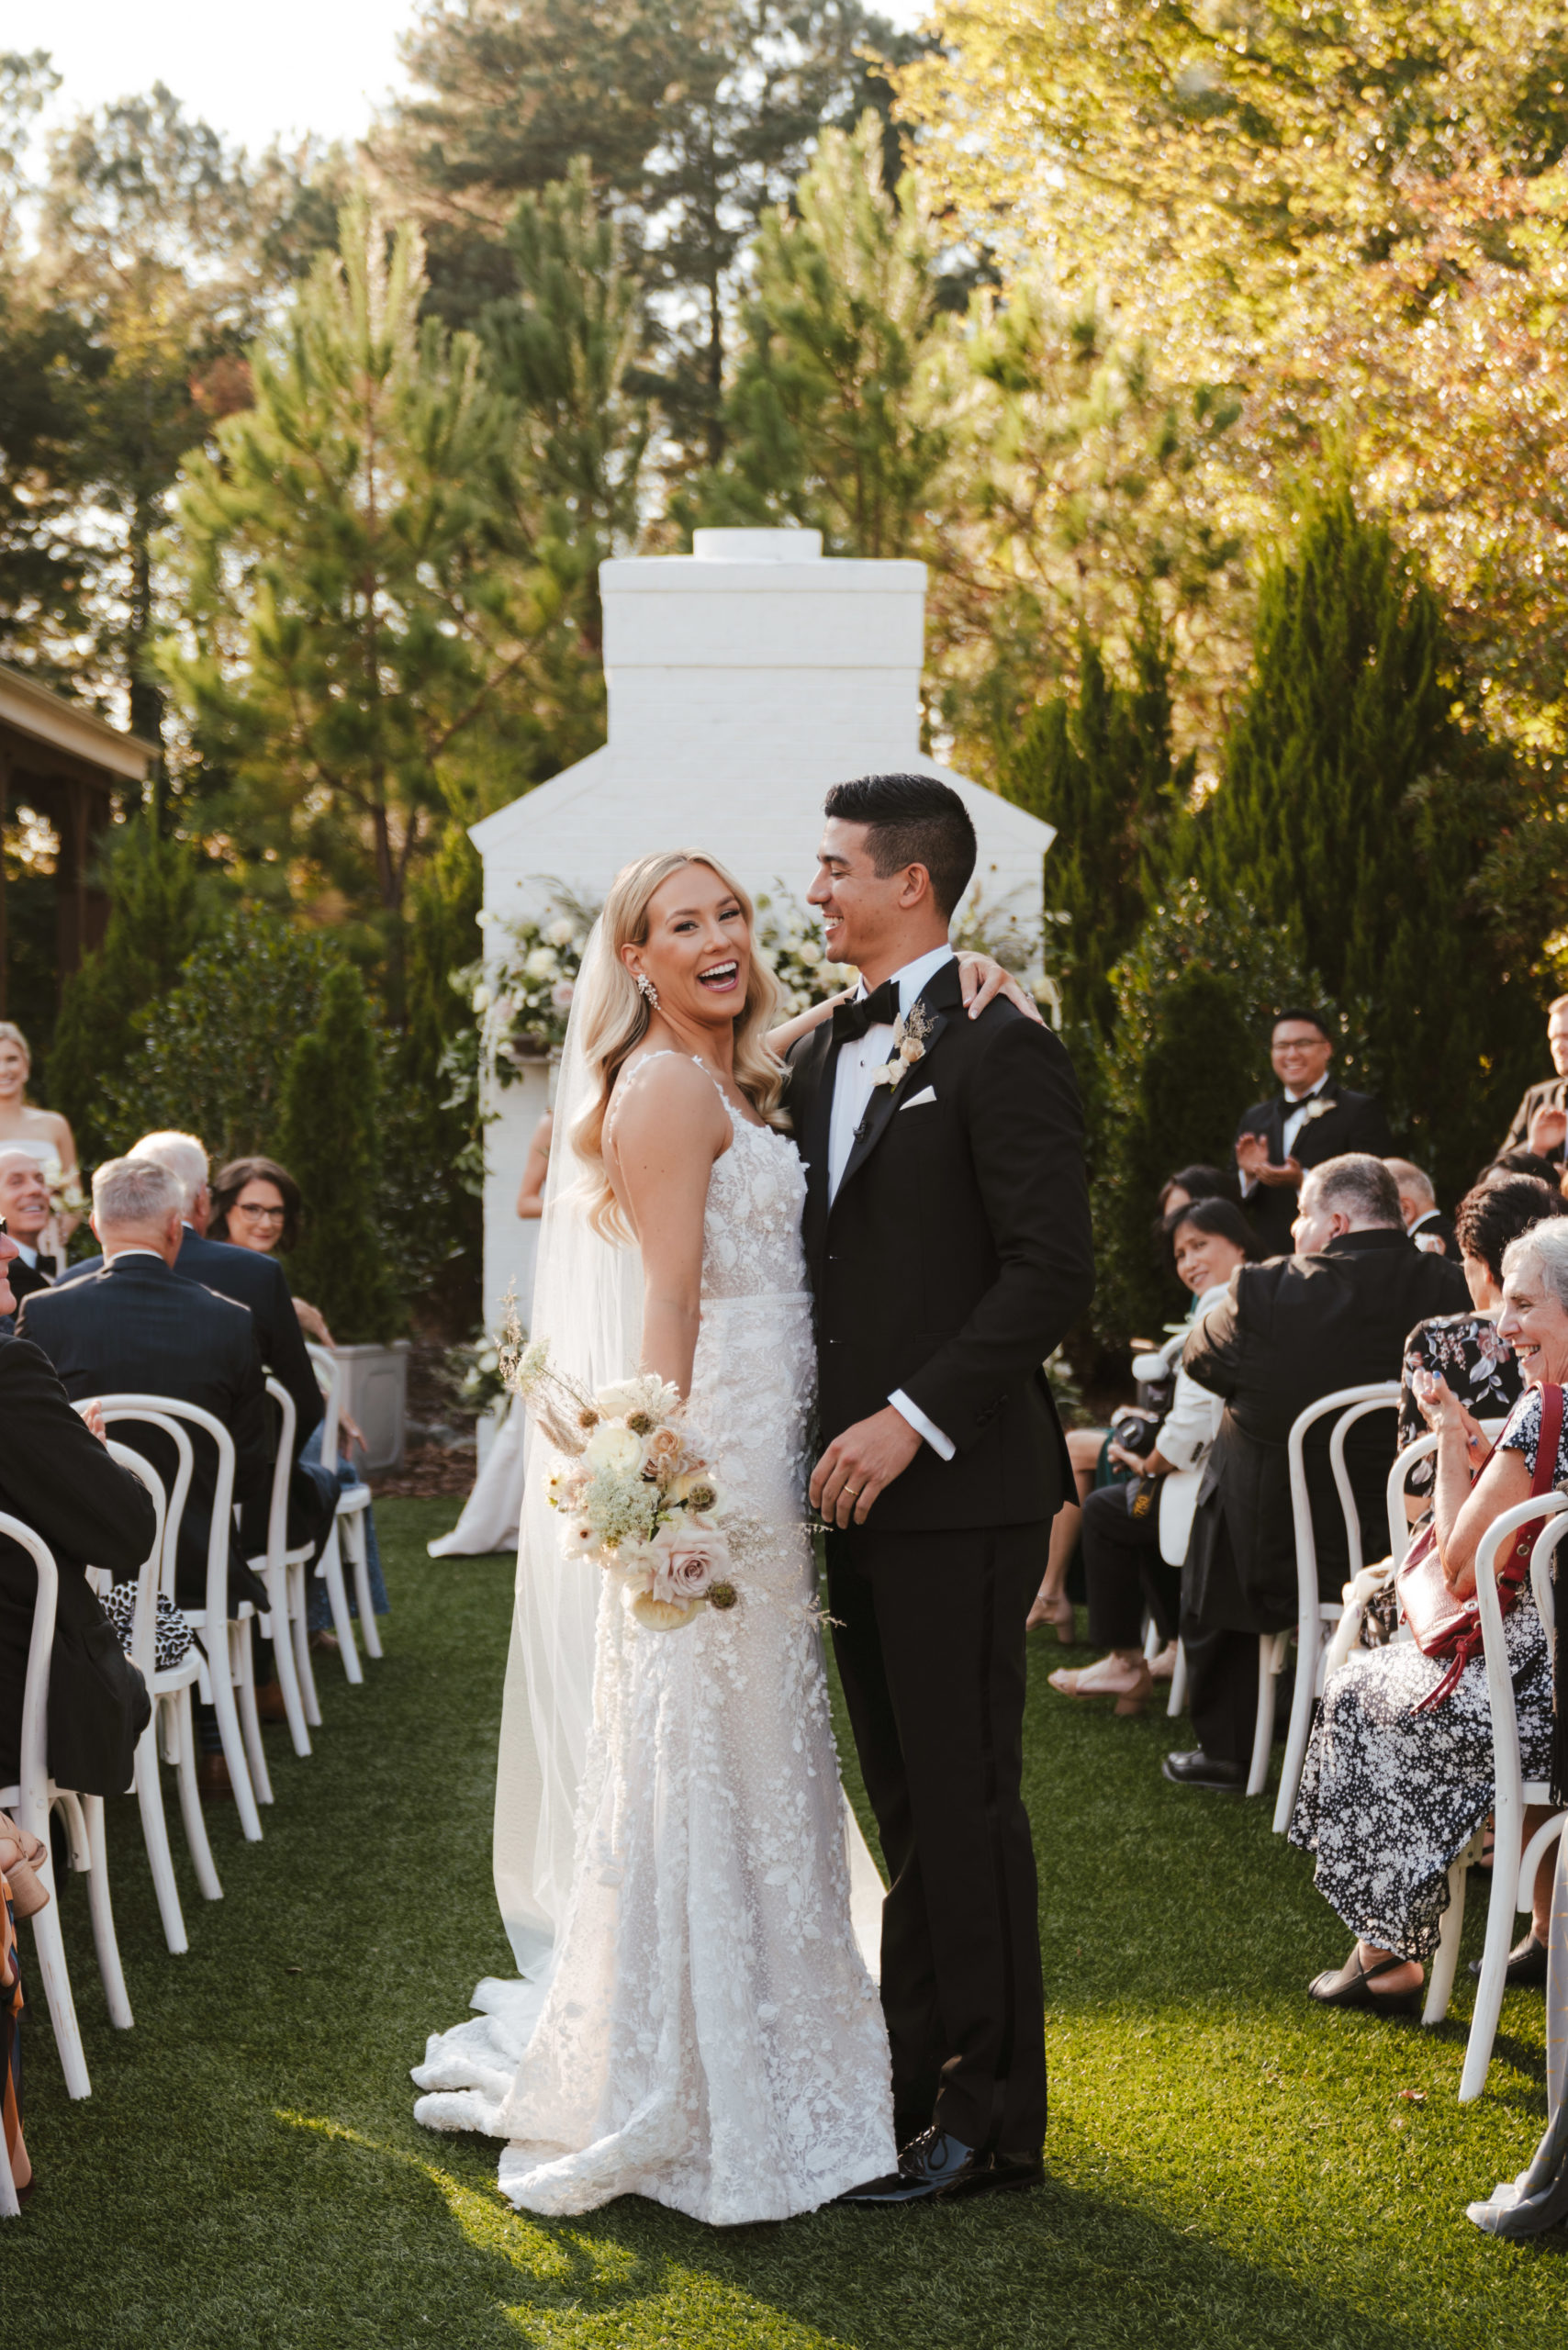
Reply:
x=878, y=1010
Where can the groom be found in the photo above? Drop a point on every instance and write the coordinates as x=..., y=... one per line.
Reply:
x=947, y=1230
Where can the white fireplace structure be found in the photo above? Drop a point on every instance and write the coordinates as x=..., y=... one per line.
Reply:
x=743, y=679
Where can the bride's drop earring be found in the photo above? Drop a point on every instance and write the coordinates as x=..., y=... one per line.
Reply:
x=647, y=990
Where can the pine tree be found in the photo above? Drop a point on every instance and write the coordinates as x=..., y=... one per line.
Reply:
x=694, y=120
x=365, y=612
x=330, y=1144
x=1100, y=767
x=1359, y=803
x=1194, y=998
x=835, y=416
x=563, y=348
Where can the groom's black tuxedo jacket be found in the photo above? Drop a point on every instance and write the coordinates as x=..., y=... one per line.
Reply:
x=953, y=1256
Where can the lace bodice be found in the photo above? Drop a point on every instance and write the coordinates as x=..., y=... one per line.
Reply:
x=751, y=1240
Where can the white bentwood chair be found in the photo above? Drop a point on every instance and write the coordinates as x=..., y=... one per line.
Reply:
x=172, y=1730
x=1315, y=1615
x=31, y=1802
x=284, y=1592
x=1514, y=1862
x=224, y=1662
x=352, y=1502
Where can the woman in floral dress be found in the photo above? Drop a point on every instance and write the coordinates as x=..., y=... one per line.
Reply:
x=1390, y=1795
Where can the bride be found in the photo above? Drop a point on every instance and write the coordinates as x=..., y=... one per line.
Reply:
x=697, y=2023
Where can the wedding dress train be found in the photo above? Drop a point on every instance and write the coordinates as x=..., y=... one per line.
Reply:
x=706, y=2032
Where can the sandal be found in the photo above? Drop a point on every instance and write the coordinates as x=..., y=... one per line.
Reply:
x=28, y=1894
x=1061, y=1614
x=1083, y=1684
x=1346, y=1986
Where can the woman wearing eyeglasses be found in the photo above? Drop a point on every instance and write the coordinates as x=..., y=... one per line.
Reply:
x=256, y=1205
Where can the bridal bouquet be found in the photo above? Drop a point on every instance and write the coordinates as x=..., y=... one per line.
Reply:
x=634, y=1491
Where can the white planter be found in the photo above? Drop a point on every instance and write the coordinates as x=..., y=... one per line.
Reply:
x=375, y=1394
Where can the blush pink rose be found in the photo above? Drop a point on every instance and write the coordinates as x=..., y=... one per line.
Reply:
x=691, y=1560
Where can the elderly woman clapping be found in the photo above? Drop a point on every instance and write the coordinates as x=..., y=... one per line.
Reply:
x=1391, y=1795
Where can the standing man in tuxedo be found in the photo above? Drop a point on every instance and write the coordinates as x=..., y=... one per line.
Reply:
x=24, y=1204
x=1541, y=1121
x=1308, y=1121
x=946, y=1232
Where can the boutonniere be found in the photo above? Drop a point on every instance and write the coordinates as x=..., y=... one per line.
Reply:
x=909, y=1045
x=1318, y=1107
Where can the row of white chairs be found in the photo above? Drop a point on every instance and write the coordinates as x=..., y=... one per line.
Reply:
x=218, y=1665
x=1514, y=1862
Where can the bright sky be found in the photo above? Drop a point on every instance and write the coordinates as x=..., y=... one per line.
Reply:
x=251, y=72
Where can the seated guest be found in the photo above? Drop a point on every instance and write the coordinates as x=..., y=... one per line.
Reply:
x=1190, y=1183
x=238, y=1273
x=56, y=1476
x=1310, y=1120
x=1541, y=1121
x=1464, y=1349
x=1390, y=1795
x=258, y=1206
x=1335, y=1314
x=1424, y=1220
x=1521, y=1163
x=1086, y=1447
x=1122, y=1564
x=136, y=1326
x=44, y=1135
x=24, y=1203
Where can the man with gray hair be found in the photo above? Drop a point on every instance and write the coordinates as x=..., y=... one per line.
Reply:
x=252, y=1279
x=134, y=1326
x=1424, y=1220
x=24, y=1204
x=1335, y=1314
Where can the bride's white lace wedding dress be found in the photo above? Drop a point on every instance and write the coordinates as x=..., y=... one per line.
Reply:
x=709, y=2036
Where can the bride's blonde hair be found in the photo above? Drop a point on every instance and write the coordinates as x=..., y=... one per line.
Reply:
x=615, y=1018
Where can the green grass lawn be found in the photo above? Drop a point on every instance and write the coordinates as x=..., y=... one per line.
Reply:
x=1225, y=2167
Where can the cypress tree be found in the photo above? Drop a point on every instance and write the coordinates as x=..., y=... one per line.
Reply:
x=1188, y=1049
x=1099, y=766
x=330, y=1144
x=1358, y=802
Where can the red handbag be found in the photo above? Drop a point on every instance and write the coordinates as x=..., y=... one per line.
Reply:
x=1441, y=1623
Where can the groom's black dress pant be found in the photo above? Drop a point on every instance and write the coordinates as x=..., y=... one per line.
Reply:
x=930, y=1647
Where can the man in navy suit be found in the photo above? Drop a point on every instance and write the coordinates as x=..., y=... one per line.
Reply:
x=249, y=1278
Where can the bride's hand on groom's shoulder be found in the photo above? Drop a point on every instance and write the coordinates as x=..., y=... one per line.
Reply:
x=981, y=979
x=860, y=1464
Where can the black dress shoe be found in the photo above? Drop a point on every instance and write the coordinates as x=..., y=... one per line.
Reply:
x=1201, y=1770
x=1526, y=1961
x=938, y=2167
x=908, y=2127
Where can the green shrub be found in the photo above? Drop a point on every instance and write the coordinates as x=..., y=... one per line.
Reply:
x=328, y=1139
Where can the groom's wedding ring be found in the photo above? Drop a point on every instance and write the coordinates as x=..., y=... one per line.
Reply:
x=853, y=1492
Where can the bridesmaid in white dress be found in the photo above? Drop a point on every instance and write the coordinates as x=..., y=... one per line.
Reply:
x=43, y=1132
x=709, y=2036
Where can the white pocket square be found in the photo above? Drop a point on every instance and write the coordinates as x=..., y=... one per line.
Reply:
x=926, y=1093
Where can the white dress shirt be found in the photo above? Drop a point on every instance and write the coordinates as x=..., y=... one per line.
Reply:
x=28, y=1255
x=858, y=1061
x=1295, y=1118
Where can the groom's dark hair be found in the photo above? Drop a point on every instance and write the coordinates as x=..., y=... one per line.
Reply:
x=912, y=820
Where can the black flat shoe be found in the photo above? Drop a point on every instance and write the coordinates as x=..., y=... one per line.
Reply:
x=1526, y=1961
x=938, y=2167
x=1346, y=1986
x=1201, y=1770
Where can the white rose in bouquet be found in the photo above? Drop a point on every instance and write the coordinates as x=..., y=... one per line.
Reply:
x=612, y=1448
